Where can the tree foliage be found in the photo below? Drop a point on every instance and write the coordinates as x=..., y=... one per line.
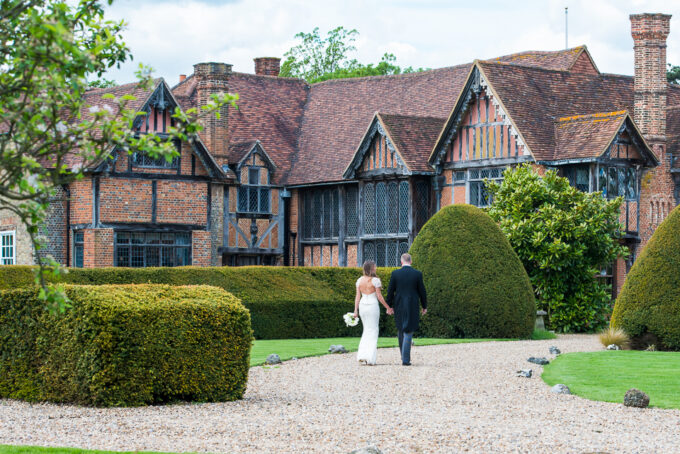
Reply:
x=317, y=59
x=48, y=50
x=673, y=74
x=564, y=237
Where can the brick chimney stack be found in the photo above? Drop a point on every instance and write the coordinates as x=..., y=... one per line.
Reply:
x=213, y=78
x=267, y=66
x=649, y=35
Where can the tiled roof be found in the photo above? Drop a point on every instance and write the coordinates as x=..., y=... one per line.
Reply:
x=587, y=136
x=238, y=151
x=269, y=110
x=413, y=137
x=93, y=101
x=561, y=60
x=673, y=129
x=534, y=98
x=338, y=112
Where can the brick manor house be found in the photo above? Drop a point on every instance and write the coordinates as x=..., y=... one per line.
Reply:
x=341, y=171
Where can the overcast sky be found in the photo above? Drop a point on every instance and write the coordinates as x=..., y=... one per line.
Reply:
x=172, y=35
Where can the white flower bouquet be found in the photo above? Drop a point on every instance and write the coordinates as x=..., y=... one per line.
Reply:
x=350, y=319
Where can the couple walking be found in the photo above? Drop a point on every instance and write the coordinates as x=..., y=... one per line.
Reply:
x=405, y=290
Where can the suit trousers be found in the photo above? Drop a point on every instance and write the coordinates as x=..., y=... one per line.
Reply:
x=405, y=341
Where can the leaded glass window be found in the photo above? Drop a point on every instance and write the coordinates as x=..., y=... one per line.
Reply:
x=144, y=249
x=321, y=211
x=254, y=197
x=8, y=248
x=421, y=208
x=384, y=252
x=478, y=193
x=78, y=249
x=578, y=176
x=142, y=159
x=618, y=181
x=352, y=211
x=386, y=208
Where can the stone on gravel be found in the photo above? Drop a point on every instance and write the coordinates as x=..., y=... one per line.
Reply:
x=554, y=350
x=560, y=389
x=337, y=349
x=524, y=373
x=636, y=398
x=540, y=361
x=273, y=359
x=613, y=347
x=367, y=450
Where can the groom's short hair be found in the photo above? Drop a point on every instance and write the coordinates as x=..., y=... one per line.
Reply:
x=406, y=258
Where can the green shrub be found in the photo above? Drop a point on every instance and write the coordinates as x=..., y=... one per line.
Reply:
x=284, y=302
x=125, y=345
x=476, y=285
x=564, y=237
x=648, y=307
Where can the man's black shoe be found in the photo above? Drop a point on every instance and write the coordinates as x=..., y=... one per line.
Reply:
x=405, y=364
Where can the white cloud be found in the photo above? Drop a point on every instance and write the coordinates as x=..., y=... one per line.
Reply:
x=171, y=36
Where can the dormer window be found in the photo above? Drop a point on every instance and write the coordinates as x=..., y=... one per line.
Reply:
x=254, y=194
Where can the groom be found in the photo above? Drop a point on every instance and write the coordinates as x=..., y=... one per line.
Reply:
x=405, y=289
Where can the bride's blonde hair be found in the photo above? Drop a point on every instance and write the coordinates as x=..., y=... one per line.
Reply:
x=369, y=268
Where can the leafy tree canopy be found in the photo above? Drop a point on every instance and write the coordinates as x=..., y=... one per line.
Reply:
x=564, y=237
x=102, y=83
x=317, y=59
x=673, y=74
x=48, y=50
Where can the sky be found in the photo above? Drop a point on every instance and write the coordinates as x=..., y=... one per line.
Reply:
x=172, y=35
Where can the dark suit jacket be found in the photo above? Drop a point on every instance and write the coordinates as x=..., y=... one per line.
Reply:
x=405, y=289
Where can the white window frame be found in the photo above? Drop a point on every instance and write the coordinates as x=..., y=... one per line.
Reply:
x=13, y=258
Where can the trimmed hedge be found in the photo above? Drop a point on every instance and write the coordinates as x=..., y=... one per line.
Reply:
x=284, y=302
x=124, y=345
x=648, y=307
x=476, y=284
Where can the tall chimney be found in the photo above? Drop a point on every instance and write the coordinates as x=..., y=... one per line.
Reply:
x=213, y=78
x=649, y=35
x=267, y=66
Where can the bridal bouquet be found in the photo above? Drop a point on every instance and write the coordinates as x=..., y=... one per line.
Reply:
x=350, y=319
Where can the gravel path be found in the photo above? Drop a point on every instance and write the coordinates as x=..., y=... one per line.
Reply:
x=455, y=398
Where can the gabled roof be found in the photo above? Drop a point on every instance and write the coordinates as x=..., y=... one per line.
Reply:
x=239, y=152
x=413, y=137
x=560, y=60
x=337, y=112
x=269, y=110
x=587, y=137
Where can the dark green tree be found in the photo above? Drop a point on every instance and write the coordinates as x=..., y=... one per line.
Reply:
x=48, y=50
x=564, y=237
x=673, y=74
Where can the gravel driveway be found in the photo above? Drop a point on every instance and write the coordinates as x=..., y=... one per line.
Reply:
x=455, y=398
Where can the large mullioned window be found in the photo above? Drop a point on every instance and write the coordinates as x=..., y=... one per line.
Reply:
x=144, y=249
x=386, y=208
x=477, y=178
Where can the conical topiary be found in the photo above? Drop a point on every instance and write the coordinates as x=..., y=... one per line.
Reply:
x=648, y=307
x=476, y=284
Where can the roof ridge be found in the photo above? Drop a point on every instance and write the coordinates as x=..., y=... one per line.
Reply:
x=409, y=116
x=389, y=76
x=615, y=113
x=540, y=52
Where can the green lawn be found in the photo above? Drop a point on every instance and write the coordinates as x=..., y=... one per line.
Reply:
x=5, y=449
x=607, y=375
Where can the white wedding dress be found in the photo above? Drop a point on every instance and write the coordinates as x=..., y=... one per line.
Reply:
x=369, y=313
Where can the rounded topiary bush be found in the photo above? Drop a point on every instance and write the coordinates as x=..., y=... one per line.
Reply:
x=648, y=307
x=476, y=284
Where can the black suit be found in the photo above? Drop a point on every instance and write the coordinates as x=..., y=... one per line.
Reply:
x=406, y=289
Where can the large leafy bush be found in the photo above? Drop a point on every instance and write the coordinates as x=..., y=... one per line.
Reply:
x=121, y=345
x=476, y=285
x=648, y=308
x=564, y=237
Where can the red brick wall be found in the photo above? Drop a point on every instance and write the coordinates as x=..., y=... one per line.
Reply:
x=181, y=202
x=125, y=200
x=81, y=201
x=352, y=255
x=97, y=248
x=200, y=248
x=584, y=65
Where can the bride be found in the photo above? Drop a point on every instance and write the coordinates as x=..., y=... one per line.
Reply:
x=366, y=307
